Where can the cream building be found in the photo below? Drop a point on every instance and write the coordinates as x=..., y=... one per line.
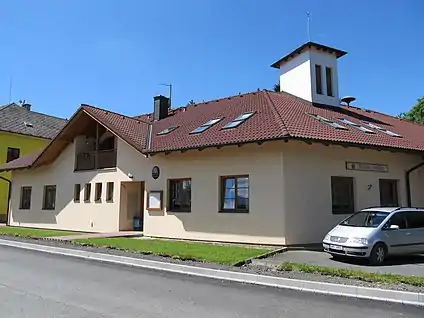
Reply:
x=263, y=167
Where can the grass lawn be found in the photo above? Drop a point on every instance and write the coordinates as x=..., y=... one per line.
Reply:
x=354, y=274
x=222, y=254
x=30, y=232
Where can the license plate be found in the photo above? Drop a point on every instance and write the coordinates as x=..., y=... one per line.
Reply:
x=336, y=247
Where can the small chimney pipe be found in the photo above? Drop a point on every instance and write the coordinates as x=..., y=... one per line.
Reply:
x=27, y=106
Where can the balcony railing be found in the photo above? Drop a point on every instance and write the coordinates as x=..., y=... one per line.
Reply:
x=96, y=160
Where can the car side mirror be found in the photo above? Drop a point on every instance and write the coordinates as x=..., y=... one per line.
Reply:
x=394, y=227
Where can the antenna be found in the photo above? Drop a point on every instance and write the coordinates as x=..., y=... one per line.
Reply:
x=308, y=15
x=170, y=92
x=10, y=89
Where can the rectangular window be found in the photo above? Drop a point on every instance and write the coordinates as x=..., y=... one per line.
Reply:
x=25, y=198
x=389, y=192
x=329, y=79
x=49, y=200
x=179, y=195
x=342, y=195
x=238, y=120
x=318, y=79
x=87, y=192
x=415, y=220
x=77, y=192
x=98, y=192
x=235, y=194
x=12, y=154
x=109, y=191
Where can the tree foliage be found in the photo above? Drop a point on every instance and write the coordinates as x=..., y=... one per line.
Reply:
x=277, y=87
x=416, y=113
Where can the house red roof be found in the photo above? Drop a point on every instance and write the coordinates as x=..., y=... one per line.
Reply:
x=275, y=116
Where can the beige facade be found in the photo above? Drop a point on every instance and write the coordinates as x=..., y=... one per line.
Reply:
x=289, y=191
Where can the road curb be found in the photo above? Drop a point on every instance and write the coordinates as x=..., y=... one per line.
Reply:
x=262, y=256
x=393, y=296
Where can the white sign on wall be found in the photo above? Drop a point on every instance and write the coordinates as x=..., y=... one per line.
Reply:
x=362, y=166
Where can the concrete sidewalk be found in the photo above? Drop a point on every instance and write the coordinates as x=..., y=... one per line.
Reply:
x=96, y=235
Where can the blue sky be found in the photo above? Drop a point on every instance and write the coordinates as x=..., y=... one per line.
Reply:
x=113, y=54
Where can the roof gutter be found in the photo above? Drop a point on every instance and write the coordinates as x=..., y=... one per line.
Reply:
x=408, y=182
x=9, y=195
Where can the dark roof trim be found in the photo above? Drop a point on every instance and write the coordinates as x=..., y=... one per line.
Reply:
x=308, y=45
x=26, y=135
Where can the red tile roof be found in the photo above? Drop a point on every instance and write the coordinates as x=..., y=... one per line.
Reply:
x=130, y=129
x=22, y=162
x=277, y=116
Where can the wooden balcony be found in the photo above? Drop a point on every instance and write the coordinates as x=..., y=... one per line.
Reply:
x=95, y=160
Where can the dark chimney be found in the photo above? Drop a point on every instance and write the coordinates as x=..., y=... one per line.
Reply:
x=27, y=106
x=161, y=106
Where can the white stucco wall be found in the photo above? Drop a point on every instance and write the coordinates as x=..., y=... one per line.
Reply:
x=308, y=170
x=297, y=76
x=68, y=215
x=325, y=60
x=263, y=224
x=289, y=194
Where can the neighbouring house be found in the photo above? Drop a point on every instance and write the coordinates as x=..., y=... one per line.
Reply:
x=22, y=132
x=262, y=167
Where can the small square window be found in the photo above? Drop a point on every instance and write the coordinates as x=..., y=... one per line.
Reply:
x=12, y=154
x=25, y=203
x=77, y=192
x=49, y=199
x=98, y=192
x=109, y=191
x=234, y=194
x=87, y=192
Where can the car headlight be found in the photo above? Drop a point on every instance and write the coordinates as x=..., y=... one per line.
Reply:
x=358, y=240
x=327, y=237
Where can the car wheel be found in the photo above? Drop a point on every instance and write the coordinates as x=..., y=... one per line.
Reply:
x=378, y=254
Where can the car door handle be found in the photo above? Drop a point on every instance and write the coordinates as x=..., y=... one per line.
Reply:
x=408, y=233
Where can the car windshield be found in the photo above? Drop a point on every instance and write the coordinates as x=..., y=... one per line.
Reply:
x=365, y=219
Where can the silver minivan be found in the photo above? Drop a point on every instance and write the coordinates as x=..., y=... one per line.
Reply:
x=375, y=233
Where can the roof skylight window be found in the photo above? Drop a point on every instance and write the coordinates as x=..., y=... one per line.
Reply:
x=238, y=120
x=390, y=133
x=205, y=126
x=167, y=130
x=328, y=122
x=362, y=128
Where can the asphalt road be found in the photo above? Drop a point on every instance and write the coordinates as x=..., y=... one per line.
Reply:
x=39, y=285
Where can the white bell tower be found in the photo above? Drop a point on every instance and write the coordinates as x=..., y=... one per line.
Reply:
x=310, y=72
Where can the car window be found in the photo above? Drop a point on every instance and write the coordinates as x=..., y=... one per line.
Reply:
x=415, y=220
x=365, y=219
x=397, y=219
